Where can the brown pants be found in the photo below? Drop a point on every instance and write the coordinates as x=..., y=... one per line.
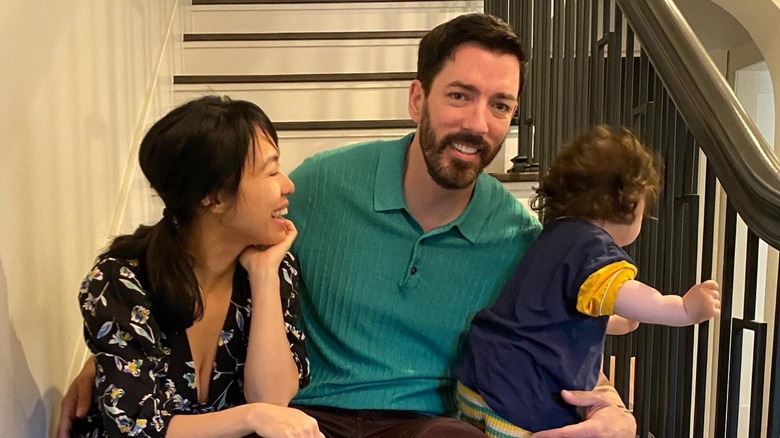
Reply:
x=347, y=423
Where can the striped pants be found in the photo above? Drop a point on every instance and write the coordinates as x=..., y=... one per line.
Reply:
x=473, y=409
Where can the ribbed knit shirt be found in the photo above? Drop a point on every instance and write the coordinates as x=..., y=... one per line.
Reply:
x=385, y=305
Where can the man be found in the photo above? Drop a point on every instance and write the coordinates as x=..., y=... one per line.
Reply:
x=401, y=242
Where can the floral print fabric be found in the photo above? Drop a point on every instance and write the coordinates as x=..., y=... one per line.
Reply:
x=146, y=376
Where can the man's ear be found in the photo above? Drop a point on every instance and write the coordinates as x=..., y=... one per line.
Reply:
x=416, y=100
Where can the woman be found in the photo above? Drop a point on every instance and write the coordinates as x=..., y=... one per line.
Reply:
x=191, y=319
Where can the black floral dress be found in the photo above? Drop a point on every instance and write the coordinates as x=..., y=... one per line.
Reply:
x=145, y=376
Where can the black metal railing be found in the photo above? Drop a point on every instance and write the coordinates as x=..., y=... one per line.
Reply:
x=638, y=64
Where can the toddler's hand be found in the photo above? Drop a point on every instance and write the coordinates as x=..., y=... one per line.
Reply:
x=702, y=301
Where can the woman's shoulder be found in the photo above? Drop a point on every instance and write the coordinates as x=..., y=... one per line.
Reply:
x=116, y=263
x=109, y=269
x=113, y=277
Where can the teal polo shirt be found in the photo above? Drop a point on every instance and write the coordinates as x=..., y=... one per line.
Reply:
x=384, y=305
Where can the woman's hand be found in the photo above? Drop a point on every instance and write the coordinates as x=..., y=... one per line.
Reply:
x=269, y=257
x=273, y=421
x=250, y=420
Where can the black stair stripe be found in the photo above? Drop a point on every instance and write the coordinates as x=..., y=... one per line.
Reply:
x=289, y=2
x=289, y=36
x=517, y=177
x=343, y=124
x=290, y=78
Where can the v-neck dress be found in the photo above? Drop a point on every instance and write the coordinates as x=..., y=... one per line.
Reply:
x=146, y=375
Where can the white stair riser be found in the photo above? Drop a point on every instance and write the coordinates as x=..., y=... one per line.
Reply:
x=305, y=102
x=295, y=57
x=296, y=146
x=327, y=17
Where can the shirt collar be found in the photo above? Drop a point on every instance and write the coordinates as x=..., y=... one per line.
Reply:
x=389, y=187
x=472, y=220
x=389, y=194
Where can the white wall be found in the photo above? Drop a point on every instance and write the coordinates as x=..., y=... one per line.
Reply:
x=79, y=86
x=760, y=18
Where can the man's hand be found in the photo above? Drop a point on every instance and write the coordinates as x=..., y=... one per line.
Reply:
x=604, y=417
x=78, y=399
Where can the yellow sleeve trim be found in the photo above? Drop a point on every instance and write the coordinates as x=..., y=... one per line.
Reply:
x=598, y=293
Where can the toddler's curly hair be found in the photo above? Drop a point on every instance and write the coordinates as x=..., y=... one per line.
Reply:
x=601, y=175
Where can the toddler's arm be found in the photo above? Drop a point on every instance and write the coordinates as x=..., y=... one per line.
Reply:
x=638, y=301
x=618, y=325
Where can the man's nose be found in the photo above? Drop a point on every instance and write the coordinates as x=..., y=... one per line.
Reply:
x=476, y=120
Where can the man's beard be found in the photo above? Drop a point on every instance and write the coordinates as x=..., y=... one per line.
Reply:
x=453, y=173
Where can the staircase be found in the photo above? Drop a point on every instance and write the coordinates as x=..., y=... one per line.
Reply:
x=327, y=73
x=638, y=64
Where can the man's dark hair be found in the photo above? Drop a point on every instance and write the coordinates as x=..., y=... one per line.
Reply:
x=439, y=45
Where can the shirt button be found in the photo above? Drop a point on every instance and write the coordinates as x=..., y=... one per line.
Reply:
x=413, y=270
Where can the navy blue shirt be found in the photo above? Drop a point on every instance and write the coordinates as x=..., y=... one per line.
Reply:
x=533, y=342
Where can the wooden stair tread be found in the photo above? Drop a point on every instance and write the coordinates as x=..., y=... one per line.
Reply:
x=344, y=124
x=291, y=78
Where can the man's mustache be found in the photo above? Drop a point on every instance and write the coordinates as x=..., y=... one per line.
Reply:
x=467, y=138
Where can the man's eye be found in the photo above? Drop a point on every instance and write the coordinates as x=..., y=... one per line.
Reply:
x=502, y=107
x=457, y=96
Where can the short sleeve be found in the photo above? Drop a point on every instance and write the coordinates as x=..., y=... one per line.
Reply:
x=133, y=395
x=593, y=267
x=289, y=281
x=598, y=292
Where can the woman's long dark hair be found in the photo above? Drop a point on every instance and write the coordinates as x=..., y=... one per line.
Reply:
x=191, y=153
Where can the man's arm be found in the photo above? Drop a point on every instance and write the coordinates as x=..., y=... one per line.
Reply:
x=78, y=399
x=606, y=414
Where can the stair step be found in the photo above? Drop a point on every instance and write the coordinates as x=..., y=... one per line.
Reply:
x=507, y=177
x=297, y=145
x=292, y=78
x=306, y=36
x=324, y=17
x=321, y=125
x=289, y=2
x=299, y=57
x=301, y=101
